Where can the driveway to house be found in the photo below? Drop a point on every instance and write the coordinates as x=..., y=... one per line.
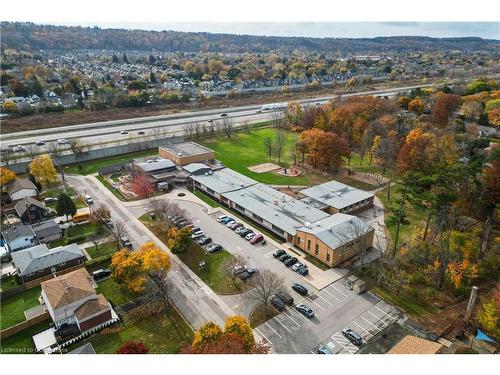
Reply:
x=192, y=297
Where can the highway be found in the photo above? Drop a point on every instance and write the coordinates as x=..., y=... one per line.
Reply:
x=154, y=127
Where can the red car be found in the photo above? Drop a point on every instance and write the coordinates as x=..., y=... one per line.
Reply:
x=257, y=238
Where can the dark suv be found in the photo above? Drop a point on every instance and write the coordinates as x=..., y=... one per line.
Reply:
x=299, y=288
x=278, y=252
x=352, y=336
x=290, y=262
x=285, y=297
x=278, y=304
x=284, y=257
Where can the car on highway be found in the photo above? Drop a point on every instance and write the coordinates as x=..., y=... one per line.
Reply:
x=40, y=143
x=290, y=262
x=256, y=239
x=249, y=236
x=62, y=141
x=323, y=350
x=214, y=248
x=223, y=115
x=221, y=217
x=284, y=257
x=285, y=297
x=204, y=241
x=124, y=132
x=278, y=252
x=299, y=288
x=303, y=270
x=296, y=266
x=19, y=148
x=352, y=336
x=277, y=303
x=50, y=200
x=141, y=132
x=304, y=310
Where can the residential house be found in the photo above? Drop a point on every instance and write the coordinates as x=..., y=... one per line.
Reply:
x=39, y=261
x=71, y=300
x=415, y=345
x=47, y=231
x=31, y=211
x=21, y=188
x=19, y=236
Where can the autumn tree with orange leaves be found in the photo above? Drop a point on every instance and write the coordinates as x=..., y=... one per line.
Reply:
x=444, y=106
x=324, y=149
x=142, y=186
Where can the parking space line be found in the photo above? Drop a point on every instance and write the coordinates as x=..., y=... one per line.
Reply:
x=265, y=338
x=312, y=352
x=370, y=323
x=327, y=292
x=284, y=326
x=289, y=317
x=272, y=329
x=364, y=331
x=341, y=340
x=345, y=295
x=324, y=300
x=299, y=314
x=317, y=304
x=384, y=312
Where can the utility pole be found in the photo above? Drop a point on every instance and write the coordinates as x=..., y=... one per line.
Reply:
x=471, y=304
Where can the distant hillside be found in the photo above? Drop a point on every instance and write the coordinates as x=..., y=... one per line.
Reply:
x=28, y=36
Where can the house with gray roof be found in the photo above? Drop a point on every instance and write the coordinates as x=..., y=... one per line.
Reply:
x=39, y=261
x=47, y=231
x=19, y=236
x=31, y=211
x=333, y=197
x=21, y=188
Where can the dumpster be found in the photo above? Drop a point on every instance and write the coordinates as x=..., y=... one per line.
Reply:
x=359, y=286
x=349, y=282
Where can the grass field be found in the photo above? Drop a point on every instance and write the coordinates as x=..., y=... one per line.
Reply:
x=247, y=149
x=106, y=248
x=213, y=272
x=115, y=292
x=410, y=306
x=93, y=166
x=21, y=342
x=10, y=282
x=12, y=308
x=157, y=332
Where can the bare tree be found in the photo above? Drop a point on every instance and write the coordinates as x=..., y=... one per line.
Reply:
x=197, y=130
x=268, y=145
x=294, y=151
x=78, y=148
x=55, y=150
x=7, y=155
x=163, y=208
x=227, y=128
x=236, y=262
x=32, y=151
x=157, y=135
x=119, y=231
x=279, y=142
x=266, y=283
x=279, y=120
x=354, y=234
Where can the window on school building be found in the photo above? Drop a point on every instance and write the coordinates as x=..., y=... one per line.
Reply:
x=316, y=249
x=308, y=245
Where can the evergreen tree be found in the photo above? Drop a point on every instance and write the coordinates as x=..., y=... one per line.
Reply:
x=65, y=205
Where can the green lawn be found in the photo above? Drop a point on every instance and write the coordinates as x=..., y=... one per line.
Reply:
x=409, y=305
x=93, y=166
x=356, y=165
x=205, y=198
x=416, y=218
x=213, y=272
x=21, y=342
x=12, y=308
x=115, y=292
x=356, y=183
x=86, y=229
x=79, y=202
x=10, y=282
x=247, y=149
x=106, y=248
x=157, y=332
x=54, y=191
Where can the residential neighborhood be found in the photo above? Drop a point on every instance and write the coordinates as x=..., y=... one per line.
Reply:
x=195, y=192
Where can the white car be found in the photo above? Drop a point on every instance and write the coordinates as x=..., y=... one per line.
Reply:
x=62, y=141
x=240, y=229
x=19, y=148
x=197, y=235
x=249, y=236
x=230, y=223
x=124, y=132
x=296, y=266
x=221, y=217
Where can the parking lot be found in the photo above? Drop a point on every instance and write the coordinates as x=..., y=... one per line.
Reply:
x=334, y=307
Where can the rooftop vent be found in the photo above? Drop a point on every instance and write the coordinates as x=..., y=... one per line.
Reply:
x=308, y=224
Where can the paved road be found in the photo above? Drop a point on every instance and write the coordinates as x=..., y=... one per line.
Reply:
x=195, y=300
x=109, y=131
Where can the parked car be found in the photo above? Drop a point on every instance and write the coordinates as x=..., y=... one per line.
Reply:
x=240, y=229
x=296, y=266
x=303, y=270
x=101, y=274
x=204, y=241
x=214, y=248
x=50, y=200
x=239, y=269
x=19, y=148
x=40, y=143
x=299, y=288
x=126, y=242
x=278, y=304
x=285, y=297
x=231, y=224
x=323, y=350
x=245, y=232
x=245, y=275
x=352, y=336
x=221, y=217
x=256, y=239
x=249, y=236
x=108, y=223
x=290, y=262
x=197, y=234
x=284, y=257
x=304, y=310
x=226, y=220
x=88, y=199
x=278, y=252
x=235, y=227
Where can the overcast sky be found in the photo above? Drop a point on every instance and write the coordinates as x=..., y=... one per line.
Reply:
x=489, y=30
